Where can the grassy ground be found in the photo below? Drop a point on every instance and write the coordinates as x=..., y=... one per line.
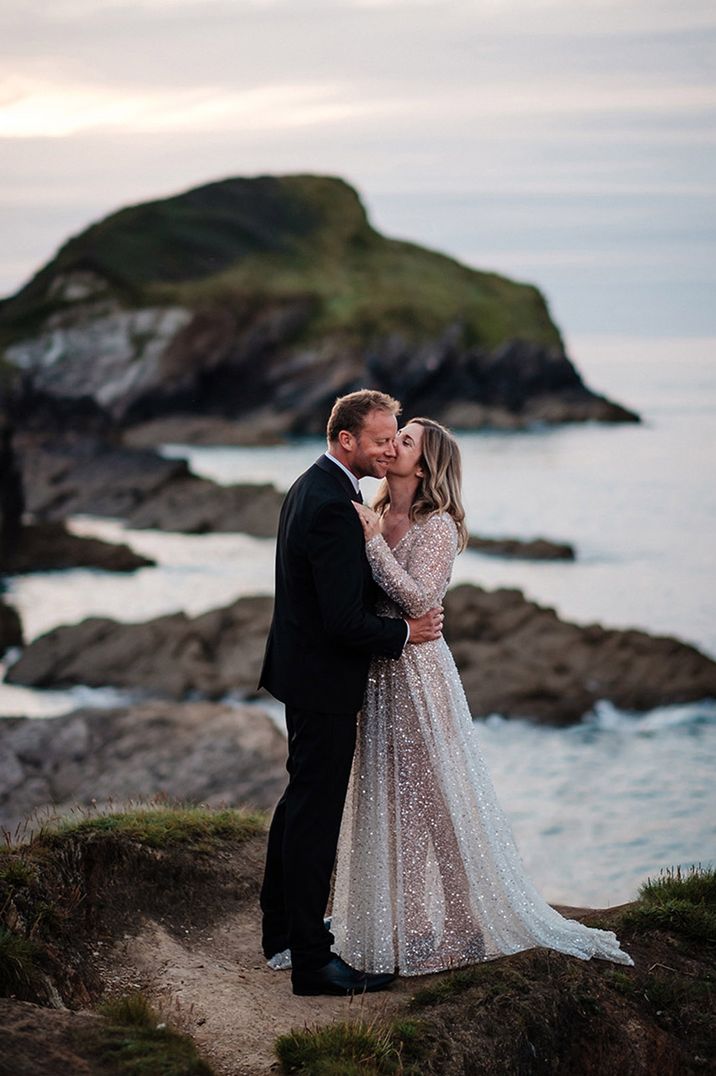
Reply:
x=90, y=873
x=158, y=827
x=541, y=1012
x=95, y=875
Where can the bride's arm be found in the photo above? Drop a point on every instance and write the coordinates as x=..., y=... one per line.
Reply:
x=424, y=586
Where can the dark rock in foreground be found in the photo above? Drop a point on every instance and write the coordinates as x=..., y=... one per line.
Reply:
x=516, y=658
x=45, y=547
x=528, y=549
x=195, y=752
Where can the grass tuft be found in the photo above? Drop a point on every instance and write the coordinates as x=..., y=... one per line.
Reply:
x=697, y=885
x=624, y=984
x=16, y=872
x=680, y=916
x=132, y=1010
x=19, y=969
x=345, y=1049
x=682, y=902
x=139, y=1043
x=494, y=981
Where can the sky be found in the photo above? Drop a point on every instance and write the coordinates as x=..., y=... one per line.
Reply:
x=567, y=144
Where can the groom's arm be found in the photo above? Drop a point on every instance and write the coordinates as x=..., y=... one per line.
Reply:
x=335, y=550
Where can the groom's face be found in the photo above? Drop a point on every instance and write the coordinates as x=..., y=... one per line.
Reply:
x=373, y=449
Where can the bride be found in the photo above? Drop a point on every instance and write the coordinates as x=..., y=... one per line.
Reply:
x=428, y=876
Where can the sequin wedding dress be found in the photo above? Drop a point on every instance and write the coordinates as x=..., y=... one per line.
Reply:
x=428, y=875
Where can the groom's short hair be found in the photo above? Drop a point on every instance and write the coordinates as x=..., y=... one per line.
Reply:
x=350, y=412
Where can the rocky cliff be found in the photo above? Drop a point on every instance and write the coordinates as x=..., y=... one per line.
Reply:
x=259, y=300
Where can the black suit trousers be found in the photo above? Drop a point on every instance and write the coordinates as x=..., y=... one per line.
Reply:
x=303, y=837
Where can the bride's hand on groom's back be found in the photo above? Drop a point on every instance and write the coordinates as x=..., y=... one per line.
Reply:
x=426, y=628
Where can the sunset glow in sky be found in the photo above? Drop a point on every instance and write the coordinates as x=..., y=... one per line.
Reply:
x=570, y=145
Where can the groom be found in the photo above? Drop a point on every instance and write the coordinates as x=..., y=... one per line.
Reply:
x=317, y=655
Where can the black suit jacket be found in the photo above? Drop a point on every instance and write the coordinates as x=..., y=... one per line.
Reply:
x=323, y=631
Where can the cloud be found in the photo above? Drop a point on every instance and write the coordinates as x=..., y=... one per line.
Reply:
x=45, y=110
x=593, y=120
x=31, y=108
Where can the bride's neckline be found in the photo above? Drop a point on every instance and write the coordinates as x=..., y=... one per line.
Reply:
x=392, y=548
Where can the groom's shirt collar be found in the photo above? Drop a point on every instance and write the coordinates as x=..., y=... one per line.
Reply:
x=354, y=480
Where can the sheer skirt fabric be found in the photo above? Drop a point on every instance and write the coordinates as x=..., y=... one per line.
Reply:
x=428, y=875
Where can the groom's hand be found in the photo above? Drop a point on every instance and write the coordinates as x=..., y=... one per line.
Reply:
x=426, y=628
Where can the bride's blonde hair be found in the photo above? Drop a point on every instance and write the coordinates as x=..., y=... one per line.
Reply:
x=439, y=489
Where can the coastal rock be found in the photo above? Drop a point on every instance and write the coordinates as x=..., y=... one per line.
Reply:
x=250, y=303
x=516, y=658
x=519, y=659
x=93, y=477
x=144, y=489
x=525, y=548
x=10, y=627
x=174, y=656
x=113, y=356
x=11, y=494
x=195, y=752
x=262, y=428
x=198, y=506
x=45, y=547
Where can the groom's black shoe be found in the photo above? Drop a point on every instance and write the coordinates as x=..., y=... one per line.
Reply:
x=337, y=977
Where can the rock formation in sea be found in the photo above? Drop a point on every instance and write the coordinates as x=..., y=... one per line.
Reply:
x=516, y=658
x=11, y=507
x=258, y=301
x=26, y=545
x=522, y=548
x=50, y=547
x=97, y=477
x=10, y=627
x=11, y=492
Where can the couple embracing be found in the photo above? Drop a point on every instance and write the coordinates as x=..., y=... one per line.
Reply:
x=386, y=780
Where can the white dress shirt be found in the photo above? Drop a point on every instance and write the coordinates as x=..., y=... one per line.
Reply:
x=343, y=467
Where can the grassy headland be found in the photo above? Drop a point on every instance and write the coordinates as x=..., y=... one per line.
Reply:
x=243, y=243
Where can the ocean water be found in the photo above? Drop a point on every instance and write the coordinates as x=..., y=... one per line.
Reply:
x=596, y=807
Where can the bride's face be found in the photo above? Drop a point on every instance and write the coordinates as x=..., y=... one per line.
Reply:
x=408, y=448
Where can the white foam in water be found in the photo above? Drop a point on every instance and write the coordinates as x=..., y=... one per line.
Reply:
x=609, y=717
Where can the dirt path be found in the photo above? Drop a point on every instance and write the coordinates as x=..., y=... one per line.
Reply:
x=217, y=988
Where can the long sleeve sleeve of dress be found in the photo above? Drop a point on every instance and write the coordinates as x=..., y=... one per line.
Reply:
x=423, y=586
